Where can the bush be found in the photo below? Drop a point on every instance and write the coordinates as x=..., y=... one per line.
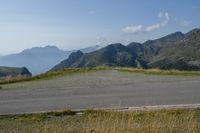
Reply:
x=61, y=113
x=1, y=87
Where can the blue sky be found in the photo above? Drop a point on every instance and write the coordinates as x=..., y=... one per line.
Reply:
x=74, y=24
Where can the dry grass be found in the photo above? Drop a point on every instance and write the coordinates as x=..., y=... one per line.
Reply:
x=159, y=71
x=143, y=122
x=163, y=121
x=69, y=71
x=50, y=75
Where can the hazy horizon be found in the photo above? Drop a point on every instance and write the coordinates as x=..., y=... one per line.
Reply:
x=43, y=46
x=73, y=24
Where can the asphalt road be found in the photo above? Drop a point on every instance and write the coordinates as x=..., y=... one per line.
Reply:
x=97, y=90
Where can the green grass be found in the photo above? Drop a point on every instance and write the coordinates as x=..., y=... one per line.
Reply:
x=70, y=71
x=165, y=121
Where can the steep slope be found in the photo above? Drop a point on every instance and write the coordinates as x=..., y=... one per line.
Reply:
x=155, y=47
x=71, y=60
x=112, y=55
x=13, y=72
x=182, y=54
x=90, y=49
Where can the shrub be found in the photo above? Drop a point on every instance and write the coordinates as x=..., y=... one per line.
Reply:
x=61, y=113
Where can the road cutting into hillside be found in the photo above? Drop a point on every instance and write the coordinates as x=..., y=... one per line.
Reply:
x=101, y=89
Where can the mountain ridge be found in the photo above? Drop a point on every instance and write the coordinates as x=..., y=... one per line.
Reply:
x=39, y=59
x=174, y=51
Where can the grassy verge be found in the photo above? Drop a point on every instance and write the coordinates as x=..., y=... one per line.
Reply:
x=50, y=75
x=165, y=121
x=159, y=71
x=69, y=71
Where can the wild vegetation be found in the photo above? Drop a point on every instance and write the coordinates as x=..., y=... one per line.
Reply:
x=165, y=121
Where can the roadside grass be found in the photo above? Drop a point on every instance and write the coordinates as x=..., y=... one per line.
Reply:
x=70, y=71
x=100, y=121
x=38, y=116
x=159, y=71
x=52, y=74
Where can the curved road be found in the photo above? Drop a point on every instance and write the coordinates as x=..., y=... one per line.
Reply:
x=99, y=89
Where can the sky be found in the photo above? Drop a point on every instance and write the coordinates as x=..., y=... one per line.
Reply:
x=75, y=24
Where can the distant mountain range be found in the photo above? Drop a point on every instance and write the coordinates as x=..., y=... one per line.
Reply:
x=39, y=59
x=174, y=51
x=13, y=72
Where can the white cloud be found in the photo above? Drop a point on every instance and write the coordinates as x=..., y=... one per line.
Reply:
x=152, y=27
x=133, y=29
x=185, y=23
x=141, y=28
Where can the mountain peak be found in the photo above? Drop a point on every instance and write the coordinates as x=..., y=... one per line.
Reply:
x=193, y=32
x=173, y=37
x=73, y=57
x=48, y=47
x=115, y=45
x=40, y=59
x=91, y=49
x=42, y=50
x=79, y=52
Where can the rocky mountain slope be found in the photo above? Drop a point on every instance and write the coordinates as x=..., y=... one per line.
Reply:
x=174, y=51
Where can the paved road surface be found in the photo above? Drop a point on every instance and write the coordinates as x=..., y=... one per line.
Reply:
x=99, y=89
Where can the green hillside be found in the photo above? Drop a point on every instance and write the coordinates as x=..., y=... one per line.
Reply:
x=112, y=55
